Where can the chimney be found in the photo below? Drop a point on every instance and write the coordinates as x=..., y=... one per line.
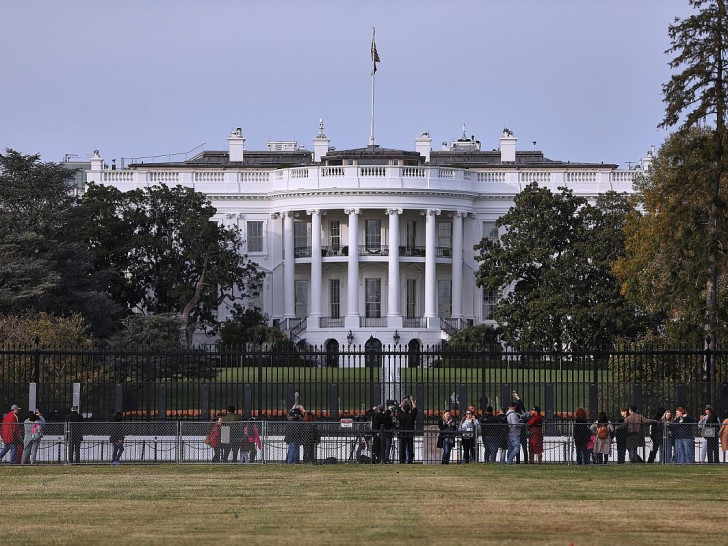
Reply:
x=97, y=162
x=647, y=161
x=236, y=145
x=320, y=144
x=423, y=146
x=508, y=146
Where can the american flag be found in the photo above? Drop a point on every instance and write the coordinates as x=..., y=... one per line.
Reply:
x=375, y=55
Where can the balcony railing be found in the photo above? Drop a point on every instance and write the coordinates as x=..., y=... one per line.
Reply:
x=372, y=322
x=418, y=251
x=373, y=250
x=331, y=322
x=443, y=252
x=419, y=322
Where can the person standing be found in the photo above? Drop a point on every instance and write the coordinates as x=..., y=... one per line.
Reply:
x=379, y=424
x=116, y=438
x=602, y=429
x=33, y=434
x=446, y=439
x=294, y=434
x=514, y=432
x=682, y=437
x=710, y=433
x=634, y=423
x=250, y=442
x=620, y=435
x=311, y=437
x=656, y=436
x=406, y=416
x=535, y=435
x=75, y=435
x=490, y=429
x=524, y=415
x=213, y=438
x=232, y=435
x=582, y=435
x=703, y=451
x=11, y=434
x=468, y=429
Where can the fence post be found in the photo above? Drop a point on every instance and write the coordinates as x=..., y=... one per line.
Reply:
x=205, y=401
x=420, y=395
x=637, y=395
x=680, y=394
x=593, y=401
x=290, y=396
x=550, y=401
x=505, y=394
x=119, y=398
x=76, y=396
x=334, y=400
x=247, y=401
x=463, y=399
x=162, y=401
x=179, y=446
x=375, y=393
x=32, y=396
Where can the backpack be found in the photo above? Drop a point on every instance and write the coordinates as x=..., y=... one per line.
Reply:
x=36, y=431
x=602, y=432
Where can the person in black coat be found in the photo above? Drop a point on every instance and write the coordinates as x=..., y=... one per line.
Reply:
x=656, y=433
x=406, y=415
x=490, y=431
x=620, y=436
x=75, y=435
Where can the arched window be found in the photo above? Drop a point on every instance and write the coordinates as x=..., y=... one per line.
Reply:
x=414, y=353
x=373, y=353
x=332, y=353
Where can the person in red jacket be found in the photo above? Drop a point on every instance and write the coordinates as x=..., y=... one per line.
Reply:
x=11, y=434
x=535, y=435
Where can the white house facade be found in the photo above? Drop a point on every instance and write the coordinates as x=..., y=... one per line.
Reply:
x=372, y=243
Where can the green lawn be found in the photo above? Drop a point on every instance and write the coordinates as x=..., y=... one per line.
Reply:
x=360, y=504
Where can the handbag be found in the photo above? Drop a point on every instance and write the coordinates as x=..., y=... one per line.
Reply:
x=207, y=440
x=709, y=432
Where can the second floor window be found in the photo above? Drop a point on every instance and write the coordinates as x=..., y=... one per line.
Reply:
x=255, y=236
x=301, y=234
x=335, y=235
x=490, y=231
x=373, y=234
x=490, y=297
x=444, y=235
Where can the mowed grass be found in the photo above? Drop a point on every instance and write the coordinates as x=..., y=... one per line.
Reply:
x=364, y=504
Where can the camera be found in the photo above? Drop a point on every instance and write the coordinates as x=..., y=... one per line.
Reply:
x=407, y=397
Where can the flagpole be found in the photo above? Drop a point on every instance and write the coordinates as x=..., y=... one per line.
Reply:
x=374, y=70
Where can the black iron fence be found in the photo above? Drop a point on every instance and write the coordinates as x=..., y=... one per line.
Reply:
x=263, y=382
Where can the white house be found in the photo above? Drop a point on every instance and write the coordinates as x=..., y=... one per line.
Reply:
x=371, y=243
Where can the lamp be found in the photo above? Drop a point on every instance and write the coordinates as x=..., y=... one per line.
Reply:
x=395, y=337
x=350, y=337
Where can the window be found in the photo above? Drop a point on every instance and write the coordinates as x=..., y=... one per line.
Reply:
x=334, y=298
x=255, y=236
x=411, y=299
x=444, y=299
x=444, y=235
x=301, y=288
x=489, y=299
x=411, y=235
x=301, y=234
x=373, y=235
x=373, y=295
x=490, y=231
x=335, y=235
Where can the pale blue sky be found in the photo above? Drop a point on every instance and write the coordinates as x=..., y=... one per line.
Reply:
x=130, y=78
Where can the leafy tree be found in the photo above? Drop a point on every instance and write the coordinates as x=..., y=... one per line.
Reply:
x=553, y=267
x=250, y=326
x=669, y=241
x=696, y=96
x=43, y=263
x=166, y=253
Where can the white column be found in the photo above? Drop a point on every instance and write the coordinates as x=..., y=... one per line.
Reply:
x=457, y=264
x=316, y=277
x=352, y=289
x=430, y=273
x=394, y=316
x=289, y=267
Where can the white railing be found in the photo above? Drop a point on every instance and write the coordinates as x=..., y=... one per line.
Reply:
x=581, y=177
x=299, y=173
x=333, y=171
x=492, y=177
x=209, y=176
x=534, y=176
x=378, y=172
x=163, y=177
x=412, y=172
x=254, y=176
x=619, y=177
x=446, y=173
x=117, y=176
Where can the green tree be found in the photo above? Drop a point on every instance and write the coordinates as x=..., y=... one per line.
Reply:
x=553, y=267
x=696, y=96
x=668, y=240
x=166, y=253
x=44, y=265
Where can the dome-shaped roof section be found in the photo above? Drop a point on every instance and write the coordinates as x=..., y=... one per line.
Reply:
x=372, y=155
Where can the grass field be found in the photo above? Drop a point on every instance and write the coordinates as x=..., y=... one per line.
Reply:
x=359, y=504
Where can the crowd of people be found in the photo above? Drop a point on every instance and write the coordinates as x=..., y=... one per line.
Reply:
x=509, y=434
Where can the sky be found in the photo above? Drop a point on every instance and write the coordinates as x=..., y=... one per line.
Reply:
x=582, y=78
